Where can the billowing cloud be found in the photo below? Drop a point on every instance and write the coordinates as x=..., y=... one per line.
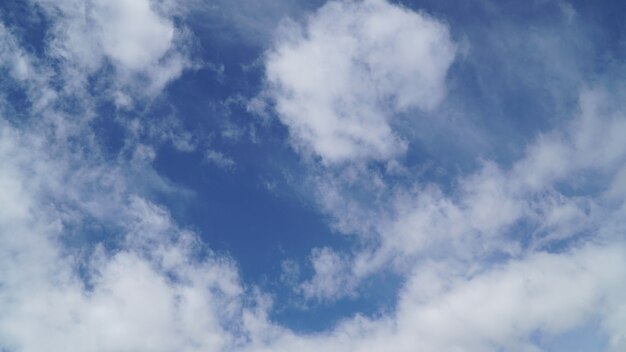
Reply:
x=501, y=257
x=498, y=210
x=138, y=40
x=498, y=309
x=132, y=33
x=337, y=80
x=147, y=284
x=219, y=160
x=332, y=277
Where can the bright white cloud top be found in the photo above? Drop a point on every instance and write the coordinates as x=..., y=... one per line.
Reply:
x=338, y=79
x=523, y=254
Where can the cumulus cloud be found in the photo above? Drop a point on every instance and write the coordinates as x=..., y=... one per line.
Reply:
x=12, y=58
x=150, y=285
x=139, y=41
x=147, y=284
x=332, y=277
x=504, y=211
x=504, y=254
x=132, y=33
x=338, y=79
x=147, y=296
x=498, y=309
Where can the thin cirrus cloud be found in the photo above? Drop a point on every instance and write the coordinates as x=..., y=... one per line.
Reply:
x=505, y=257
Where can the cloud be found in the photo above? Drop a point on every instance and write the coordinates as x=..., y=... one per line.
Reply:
x=487, y=209
x=497, y=309
x=501, y=255
x=248, y=22
x=220, y=160
x=199, y=304
x=12, y=58
x=337, y=80
x=133, y=35
x=493, y=211
x=332, y=277
x=139, y=42
x=87, y=262
x=147, y=286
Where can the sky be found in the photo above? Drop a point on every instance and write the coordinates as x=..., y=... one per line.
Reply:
x=283, y=175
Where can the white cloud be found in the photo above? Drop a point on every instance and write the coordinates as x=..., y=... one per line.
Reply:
x=12, y=58
x=502, y=211
x=501, y=308
x=338, y=80
x=220, y=160
x=568, y=11
x=331, y=278
x=132, y=34
x=156, y=287
x=141, y=43
x=153, y=286
x=147, y=293
x=441, y=309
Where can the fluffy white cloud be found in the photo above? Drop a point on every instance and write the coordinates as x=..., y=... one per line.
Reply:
x=132, y=33
x=478, y=216
x=220, y=160
x=149, y=285
x=338, y=80
x=155, y=287
x=151, y=291
x=12, y=58
x=138, y=40
x=445, y=308
x=332, y=276
x=152, y=295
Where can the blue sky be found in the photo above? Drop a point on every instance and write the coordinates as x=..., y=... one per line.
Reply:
x=283, y=175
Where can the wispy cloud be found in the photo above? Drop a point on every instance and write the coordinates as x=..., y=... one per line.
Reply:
x=220, y=160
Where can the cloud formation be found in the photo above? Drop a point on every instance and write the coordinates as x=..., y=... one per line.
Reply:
x=139, y=41
x=501, y=257
x=338, y=79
